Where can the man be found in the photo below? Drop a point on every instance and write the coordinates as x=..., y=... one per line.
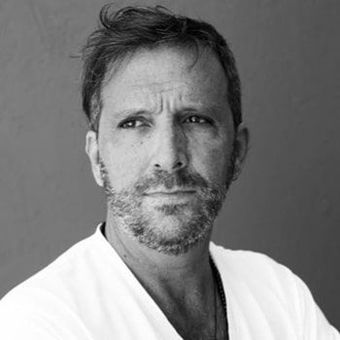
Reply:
x=166, y=139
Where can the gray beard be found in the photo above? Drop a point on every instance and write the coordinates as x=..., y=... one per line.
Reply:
x=126, y=208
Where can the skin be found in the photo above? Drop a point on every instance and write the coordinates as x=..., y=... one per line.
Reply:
x=162, y=111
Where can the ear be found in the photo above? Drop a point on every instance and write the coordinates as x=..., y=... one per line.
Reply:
x=241, y=145
x=92, y=150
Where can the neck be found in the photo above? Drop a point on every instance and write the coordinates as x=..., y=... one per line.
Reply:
x=176, y=275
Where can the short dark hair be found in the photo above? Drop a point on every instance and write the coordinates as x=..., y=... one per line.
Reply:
x=125, y=31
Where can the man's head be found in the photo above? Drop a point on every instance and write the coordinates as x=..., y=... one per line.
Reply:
x=162, y=96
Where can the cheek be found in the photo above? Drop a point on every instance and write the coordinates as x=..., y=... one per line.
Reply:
x=211, y=160
x=217, y=165
x=125, y=162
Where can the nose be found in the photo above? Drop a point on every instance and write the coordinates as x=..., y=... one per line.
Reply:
x=170, y=149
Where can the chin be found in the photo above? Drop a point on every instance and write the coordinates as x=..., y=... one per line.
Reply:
x=173, y=233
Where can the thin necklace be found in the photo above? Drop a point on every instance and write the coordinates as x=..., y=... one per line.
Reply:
x=216, y=309
x=220, y=289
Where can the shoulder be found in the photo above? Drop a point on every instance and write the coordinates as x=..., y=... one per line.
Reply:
x=45, y=305
x=63, y=270
x=273, y=287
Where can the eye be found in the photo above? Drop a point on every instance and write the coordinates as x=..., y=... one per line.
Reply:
x=132, y=123
x=197, y=119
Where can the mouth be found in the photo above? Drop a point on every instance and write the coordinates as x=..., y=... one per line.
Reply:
x=172, y=195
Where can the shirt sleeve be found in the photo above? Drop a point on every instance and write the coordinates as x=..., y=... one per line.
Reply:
x=17, y=324
x=314, y=325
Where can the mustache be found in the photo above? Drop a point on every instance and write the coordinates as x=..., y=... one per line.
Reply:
x=161, y=178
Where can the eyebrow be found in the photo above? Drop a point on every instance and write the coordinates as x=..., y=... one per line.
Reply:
x=130, y=113
x=212, y=109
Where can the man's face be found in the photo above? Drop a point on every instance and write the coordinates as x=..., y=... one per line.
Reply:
x=165, y=147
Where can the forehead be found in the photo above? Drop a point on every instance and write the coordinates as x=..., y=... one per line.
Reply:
x=190, y=75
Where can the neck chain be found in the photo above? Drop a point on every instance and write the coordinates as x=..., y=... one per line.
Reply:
x=221, y=294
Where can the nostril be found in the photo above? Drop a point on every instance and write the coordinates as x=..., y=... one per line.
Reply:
x=178, y=165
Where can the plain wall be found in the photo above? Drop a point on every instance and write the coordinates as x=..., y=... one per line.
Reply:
x=285, y=203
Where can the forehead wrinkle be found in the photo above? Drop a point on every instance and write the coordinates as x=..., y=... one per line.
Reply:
x=184, y=89
x=161, y=97
x=156, y=102
x=159, y=86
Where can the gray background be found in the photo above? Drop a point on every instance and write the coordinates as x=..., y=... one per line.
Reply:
x=286, y=202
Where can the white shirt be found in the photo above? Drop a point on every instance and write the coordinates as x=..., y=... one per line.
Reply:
x=89, y=293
